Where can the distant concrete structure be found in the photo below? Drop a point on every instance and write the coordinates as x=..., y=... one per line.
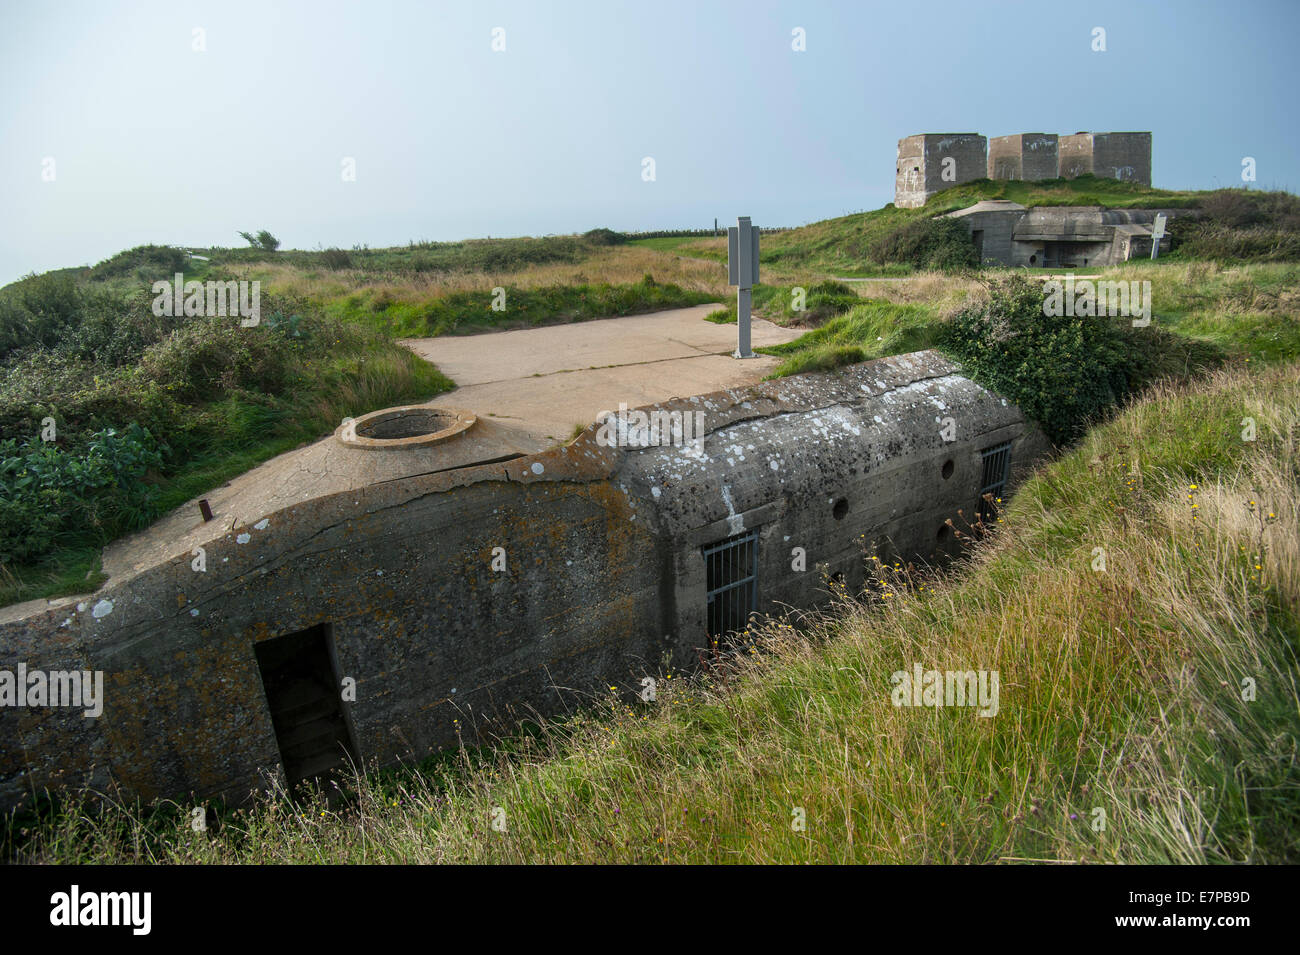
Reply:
x=928, y=163
x=1029, y=156
x=1006, y=233
x=1123, y=156
x=931, y=162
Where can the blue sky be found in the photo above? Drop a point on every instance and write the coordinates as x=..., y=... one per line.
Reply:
x=153, y=141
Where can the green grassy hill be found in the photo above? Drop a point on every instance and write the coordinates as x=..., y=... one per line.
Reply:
x=1247, y=225
x=844, y=246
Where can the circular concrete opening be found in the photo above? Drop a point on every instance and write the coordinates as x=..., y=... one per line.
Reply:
x=947, y=469
x=840, y=509
x=405, y=427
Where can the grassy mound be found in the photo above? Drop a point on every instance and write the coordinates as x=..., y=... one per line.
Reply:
x=111, y=415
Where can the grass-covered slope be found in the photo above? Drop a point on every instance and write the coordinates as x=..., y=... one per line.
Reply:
x=1247, y=311
x=1140, y=603
x=111, y=415
x=1229, y=225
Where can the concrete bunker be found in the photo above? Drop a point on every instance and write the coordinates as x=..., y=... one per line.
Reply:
x=459, y=587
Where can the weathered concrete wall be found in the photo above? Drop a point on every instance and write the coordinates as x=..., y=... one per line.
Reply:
x=1075, y=152
x=604, y=579
x=918, y=171
x=1060, y=236
x=992, y=224
x=1124, y=156
x=921, y=166
x=1027, y=156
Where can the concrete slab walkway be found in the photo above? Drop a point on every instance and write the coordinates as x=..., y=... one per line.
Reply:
x=546, y=381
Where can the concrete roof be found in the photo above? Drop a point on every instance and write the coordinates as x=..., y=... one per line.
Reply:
x=988, y=205
x=526, y=390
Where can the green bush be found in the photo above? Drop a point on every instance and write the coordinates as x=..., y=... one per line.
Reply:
x=38, y=311
x=1260, y=243
x=148, y=263
x=210, y=356
x=263, y=240
x=1064, y=372
x=941, y=243
x=604, y=237
x=1242, y=225
x=85, y=494
x=336, y=259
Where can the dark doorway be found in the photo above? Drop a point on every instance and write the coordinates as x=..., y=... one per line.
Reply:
x=977, y=236
x=304, y=695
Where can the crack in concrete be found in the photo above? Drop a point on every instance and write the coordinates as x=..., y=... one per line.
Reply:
x=574, y=371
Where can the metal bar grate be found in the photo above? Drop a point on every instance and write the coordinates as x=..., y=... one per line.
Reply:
x=993, y=479
x=731, y=582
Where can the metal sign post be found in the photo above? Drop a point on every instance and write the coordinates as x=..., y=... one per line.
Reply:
x=1157, y=233
x=742, y=272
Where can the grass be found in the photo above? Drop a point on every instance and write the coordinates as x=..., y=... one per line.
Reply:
x=871, y=330
x=226, y=429
x=843, y=246
x=1125, y=698
x=673, y=243
x=467, y=312
x=1247, y=311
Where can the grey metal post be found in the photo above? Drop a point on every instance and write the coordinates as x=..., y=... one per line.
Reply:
x=742, y=272
x=1157, y=233
x=743, y=296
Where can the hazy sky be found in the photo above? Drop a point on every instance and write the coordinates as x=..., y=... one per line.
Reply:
x=155, y=141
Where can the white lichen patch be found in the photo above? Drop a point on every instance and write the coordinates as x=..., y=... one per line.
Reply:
x=102, y=609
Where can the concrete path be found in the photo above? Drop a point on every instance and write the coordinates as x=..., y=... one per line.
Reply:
x=545, y=381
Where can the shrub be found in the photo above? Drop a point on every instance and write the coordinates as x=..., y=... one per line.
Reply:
x=1260, y=243
x=1231, y=207
x=336, y=259
x=941, y=243
x=1243, y=225
x=208, y=357
x=1062, y=371
x=87, y=493
x=39, y=311
x=148, y=263
x=114, y=330
x=604, y=237
x=263, y=240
